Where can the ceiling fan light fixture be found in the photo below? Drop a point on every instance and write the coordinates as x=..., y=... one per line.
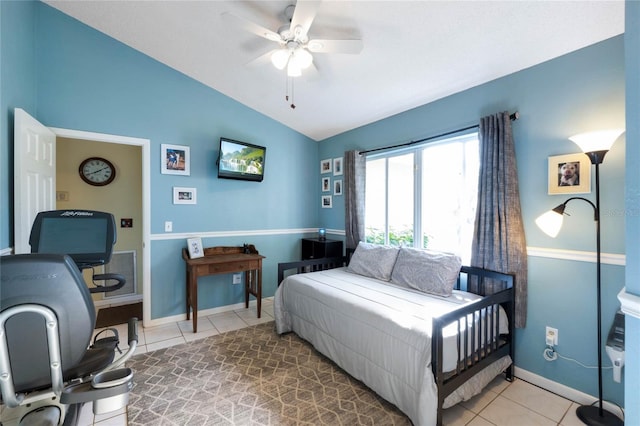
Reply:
x=279, y=58
x=302, y=57
x=293, y=68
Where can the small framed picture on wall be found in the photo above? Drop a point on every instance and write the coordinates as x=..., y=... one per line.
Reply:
x=325, y=166
x=175, y=160
x=326, y=184
x=184, y=195
x=337, y=166
x=569, y=174
x=337, y=187
x=327, y=202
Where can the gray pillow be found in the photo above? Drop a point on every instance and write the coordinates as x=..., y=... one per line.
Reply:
x=373, y=260
x=426, y=270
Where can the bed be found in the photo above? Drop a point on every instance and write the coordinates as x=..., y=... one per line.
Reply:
x=421, y=351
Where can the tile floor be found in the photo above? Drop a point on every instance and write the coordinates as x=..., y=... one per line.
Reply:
x=502, y=403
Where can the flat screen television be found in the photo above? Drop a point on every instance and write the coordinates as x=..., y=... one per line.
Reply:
x=241, y=160
x=86, y=236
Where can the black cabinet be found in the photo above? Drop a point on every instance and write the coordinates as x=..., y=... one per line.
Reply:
x=313, y=248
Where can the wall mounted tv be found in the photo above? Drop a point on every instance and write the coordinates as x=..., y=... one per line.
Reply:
x=241, y=160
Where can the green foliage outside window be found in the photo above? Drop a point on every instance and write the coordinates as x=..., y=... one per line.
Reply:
x=397, y=237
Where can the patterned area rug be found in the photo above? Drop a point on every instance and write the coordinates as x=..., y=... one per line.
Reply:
x=250, y=376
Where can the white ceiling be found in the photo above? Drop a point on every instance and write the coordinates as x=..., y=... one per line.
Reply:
x=414, y=51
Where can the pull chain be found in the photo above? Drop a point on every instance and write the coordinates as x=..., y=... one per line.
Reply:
x=286, y=97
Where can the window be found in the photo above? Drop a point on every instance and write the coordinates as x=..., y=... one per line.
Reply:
x=424, y=197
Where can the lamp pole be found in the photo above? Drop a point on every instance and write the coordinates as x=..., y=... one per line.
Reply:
x=587, y=413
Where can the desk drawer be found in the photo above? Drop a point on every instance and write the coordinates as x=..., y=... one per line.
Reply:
x=227, y=268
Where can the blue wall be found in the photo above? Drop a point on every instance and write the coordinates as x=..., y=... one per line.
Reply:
x=84, y=80
x=632, y=193
x=17, y=90
x=578, y=92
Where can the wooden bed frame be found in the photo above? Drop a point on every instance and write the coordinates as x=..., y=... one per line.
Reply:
x=480, y=351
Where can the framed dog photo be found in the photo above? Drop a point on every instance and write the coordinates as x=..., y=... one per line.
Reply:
x=175, y=160
x=569, y=174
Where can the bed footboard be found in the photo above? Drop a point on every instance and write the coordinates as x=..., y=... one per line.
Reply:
x=479, y=340
x=310, y=265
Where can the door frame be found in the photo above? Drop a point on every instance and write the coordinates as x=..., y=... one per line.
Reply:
x=145, y=144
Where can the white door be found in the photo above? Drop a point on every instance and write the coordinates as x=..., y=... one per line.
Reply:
x=34, y=175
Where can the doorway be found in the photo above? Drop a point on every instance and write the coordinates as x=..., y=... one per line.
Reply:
x=117, y=148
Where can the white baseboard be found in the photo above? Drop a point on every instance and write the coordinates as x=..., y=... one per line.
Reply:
x=203, y=313
x=565, y=391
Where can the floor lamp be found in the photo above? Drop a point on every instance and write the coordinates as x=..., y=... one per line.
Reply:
x=595, y=145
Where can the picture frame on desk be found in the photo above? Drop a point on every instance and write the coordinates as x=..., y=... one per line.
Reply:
x=194, y=246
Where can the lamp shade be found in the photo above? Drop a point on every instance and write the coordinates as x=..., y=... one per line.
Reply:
x=279, y=58
x=601, y=140
x=550, y=222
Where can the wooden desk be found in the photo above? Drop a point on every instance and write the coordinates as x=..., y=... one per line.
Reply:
x=223, y=260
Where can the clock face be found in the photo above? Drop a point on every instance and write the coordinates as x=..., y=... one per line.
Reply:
x=97, y=171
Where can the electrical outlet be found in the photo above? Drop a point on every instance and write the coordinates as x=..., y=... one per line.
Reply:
x=551, y=336
x=168, y=226
x=237, y=278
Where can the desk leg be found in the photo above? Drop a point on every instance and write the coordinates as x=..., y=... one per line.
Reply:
x=193, y=292
x=188, y=286
x=253, y=285
x=259, y=295
x=247, y=287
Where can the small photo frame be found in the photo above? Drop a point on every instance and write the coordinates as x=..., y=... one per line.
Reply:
x=175, y=160
x=326, y=184
x=327, y=202
x=194, y=245
x=325, y=166
x=337, y=166
x=337, y=187
x=569, y=174
x=184, y=195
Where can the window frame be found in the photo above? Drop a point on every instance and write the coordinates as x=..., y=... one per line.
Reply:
x=417, y=152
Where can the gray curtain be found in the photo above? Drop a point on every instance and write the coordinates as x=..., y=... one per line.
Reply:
x=499, y=241
x=354, y=186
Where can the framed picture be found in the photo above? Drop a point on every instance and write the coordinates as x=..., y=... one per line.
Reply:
x=337, y=166
x=175, y=160
x=325, y=166
x=326, y=184
x=184, y=195
x=337, y=187
x=569, y=174
x=326, y=202
x=194, y=245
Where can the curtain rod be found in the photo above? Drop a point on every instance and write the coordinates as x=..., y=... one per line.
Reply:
x=513, y=117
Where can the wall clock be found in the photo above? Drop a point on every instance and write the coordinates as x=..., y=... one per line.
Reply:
x=97, y=171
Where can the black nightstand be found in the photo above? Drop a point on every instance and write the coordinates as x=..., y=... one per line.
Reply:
x=313, y=248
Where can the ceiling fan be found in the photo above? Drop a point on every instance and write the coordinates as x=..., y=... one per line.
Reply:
x=295, y=48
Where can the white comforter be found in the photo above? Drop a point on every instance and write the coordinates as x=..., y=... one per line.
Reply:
x=377, y=332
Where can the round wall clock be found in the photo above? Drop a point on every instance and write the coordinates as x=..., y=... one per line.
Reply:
x=97, y=171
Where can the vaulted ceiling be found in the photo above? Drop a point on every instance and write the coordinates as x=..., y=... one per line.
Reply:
x=414, y=52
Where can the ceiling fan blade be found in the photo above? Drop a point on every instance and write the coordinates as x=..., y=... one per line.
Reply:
x=250, y=26
x=335, y=46
x=303, y=16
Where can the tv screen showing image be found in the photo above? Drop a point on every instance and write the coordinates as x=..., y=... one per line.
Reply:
x=241, y=160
